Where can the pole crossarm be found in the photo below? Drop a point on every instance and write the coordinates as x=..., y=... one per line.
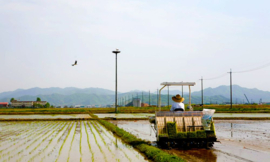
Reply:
x=178, y=83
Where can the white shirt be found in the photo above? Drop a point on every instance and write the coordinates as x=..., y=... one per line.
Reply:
x=177, y=105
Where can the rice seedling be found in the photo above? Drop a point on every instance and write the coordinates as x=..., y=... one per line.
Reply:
x=89, y=143
x=64, y=141
x=113, y=141
x=36, y=137
x=50, y=143
x=81, y=140
x=102, y=139
x=44, y=136
x=72, y=141
x=171, y=127
x=105, y=158
x=150, y=151
x=63, y=125
x=25, y=140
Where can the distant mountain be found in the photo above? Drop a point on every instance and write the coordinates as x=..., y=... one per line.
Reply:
x=98, y=96
x=254, y=95
x=54, y=90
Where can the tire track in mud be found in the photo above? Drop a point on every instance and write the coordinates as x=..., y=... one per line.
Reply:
x=48, y=144
x=232, y=155
x=105, y=158
x=40, y=134
x=25, y=140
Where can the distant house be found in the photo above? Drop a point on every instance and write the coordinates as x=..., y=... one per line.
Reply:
x=16, y=103
x=3, y=104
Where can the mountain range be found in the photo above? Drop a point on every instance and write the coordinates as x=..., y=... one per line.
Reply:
x=99, y=96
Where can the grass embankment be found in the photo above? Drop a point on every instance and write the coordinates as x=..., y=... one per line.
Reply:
x=219, y=109
x=151, y=152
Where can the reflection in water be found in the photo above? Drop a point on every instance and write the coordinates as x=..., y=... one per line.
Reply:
x=231, y=130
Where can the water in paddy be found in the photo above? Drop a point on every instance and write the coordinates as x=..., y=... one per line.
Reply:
x=62, y=141
x=46, y=116
x=146, y=115
x=241, y=140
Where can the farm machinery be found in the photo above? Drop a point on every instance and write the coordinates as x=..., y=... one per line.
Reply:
x=184, y=129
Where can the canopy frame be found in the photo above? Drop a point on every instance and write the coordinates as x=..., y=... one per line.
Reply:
x=176, y=84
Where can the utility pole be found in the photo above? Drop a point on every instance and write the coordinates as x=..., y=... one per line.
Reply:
x=116, y=52
x=202, y=90
x=157, y=97
x=231, y=86
x=142, y=97
x=182, y=91
x=149, y=98
x=168, y=96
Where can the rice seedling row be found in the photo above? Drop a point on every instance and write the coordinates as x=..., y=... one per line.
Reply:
x=63, y=125
x=110, y=136
x=56, y=142
x=98, y=132
x=89, y=146
x=24, y=140
x=64, y=141
x=72, y=141
x=105, y=158
x=43, y=138
x=27, y=140
x=21, y=135
x=50, y=141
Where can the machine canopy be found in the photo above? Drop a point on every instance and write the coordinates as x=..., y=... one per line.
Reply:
x=178, y=83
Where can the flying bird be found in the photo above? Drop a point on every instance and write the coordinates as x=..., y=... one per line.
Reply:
x=75, y=63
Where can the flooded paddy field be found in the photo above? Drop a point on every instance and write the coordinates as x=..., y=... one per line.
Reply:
x=45, y=116
x=241, y=140
x=222, y=115
x=62, y=141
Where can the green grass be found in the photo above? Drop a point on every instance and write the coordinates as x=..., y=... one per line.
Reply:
x=218, y=108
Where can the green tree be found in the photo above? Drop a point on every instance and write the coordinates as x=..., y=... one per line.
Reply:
x=12, y=99
x=38, y=99
x=47, y=105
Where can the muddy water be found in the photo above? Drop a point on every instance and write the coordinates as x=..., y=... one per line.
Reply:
x=146, y=115
x=62, y=141
x=241, y=140
x=66, y=116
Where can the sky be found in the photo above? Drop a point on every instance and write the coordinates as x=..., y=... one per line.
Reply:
x=160, y=41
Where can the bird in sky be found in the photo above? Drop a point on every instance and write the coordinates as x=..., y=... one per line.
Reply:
x=75, y=63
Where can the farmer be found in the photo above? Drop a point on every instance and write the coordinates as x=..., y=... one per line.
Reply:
x=178, y=104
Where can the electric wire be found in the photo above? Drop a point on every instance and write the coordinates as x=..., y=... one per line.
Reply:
x=260, y=67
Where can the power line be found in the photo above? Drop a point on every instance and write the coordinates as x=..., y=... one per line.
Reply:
x=260, y=67
x=220, y=76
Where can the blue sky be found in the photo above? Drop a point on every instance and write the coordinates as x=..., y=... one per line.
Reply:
x=159, y=41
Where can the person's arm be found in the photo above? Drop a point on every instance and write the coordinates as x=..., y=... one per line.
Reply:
x=172, y=108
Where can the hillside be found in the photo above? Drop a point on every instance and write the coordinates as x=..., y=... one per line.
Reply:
x=238, y=93
x=99, y=96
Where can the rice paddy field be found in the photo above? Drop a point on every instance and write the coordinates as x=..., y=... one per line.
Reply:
x=79, y=140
